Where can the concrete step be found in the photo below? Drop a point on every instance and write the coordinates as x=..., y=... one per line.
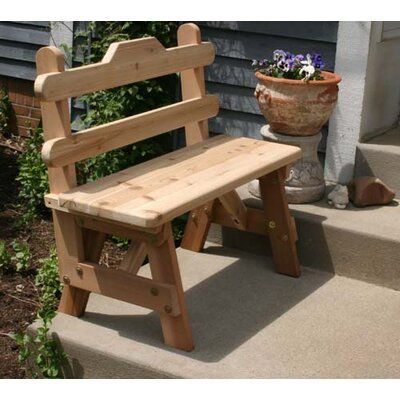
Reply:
x=380, y=157
x=360, y=243
x=247, y=321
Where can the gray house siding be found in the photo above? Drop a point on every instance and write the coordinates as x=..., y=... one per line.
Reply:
x=77, y=107
x=19, y=42
x=231, y=75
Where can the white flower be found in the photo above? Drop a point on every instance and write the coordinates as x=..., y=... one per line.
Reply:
x=308, y=69
x=308, y=60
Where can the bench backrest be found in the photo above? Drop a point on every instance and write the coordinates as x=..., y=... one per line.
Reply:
x=125, y=62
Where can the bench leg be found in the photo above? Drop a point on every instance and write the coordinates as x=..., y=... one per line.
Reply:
x=164, y=268
x=74, y=244
x=197, y=227
x=134, y=257
x=73, y=301
x=280, y=226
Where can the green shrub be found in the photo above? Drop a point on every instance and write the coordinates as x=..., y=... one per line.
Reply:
x=115, y=160
x=120, y=242
x=178, y=228
x=5, y=259
x=48, y=282
x=41, y=349
x=18, y=261
x=21, y=257
x=32, y=177
x=5, y=110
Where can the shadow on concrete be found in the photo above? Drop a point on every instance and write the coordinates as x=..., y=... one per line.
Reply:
x=227, y=308
x=312, y=244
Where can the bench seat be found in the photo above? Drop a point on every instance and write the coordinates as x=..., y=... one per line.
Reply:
x=152, y=193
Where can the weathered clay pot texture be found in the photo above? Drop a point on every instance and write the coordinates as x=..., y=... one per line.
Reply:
x=294, y=107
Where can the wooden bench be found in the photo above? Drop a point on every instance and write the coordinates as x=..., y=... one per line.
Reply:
x=139, y=203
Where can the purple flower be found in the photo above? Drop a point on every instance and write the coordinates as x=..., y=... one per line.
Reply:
x=317, y=61
x=293, y=66
x=289, y=64
x=285, y=64
x=289, y=55
x=260, y=63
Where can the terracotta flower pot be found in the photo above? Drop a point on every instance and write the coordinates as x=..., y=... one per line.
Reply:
x=294, y=107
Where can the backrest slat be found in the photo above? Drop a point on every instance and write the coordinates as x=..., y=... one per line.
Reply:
x=90, y=142
x=125, y=62
x=56, y=119
x=192, y=84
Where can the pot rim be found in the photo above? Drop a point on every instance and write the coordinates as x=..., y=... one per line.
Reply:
x=330, y=79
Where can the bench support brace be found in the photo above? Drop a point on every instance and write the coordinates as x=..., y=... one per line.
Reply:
x=79, y=250
x=274, y=221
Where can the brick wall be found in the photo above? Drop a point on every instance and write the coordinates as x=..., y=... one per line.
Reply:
x=26, y=109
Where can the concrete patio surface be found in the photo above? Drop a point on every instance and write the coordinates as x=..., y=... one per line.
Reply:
x=248, y=322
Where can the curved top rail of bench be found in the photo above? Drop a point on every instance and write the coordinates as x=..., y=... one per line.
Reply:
x=125, y=62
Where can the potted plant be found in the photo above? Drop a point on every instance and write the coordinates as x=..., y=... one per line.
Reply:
x=294, y=94
x=297, y=97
